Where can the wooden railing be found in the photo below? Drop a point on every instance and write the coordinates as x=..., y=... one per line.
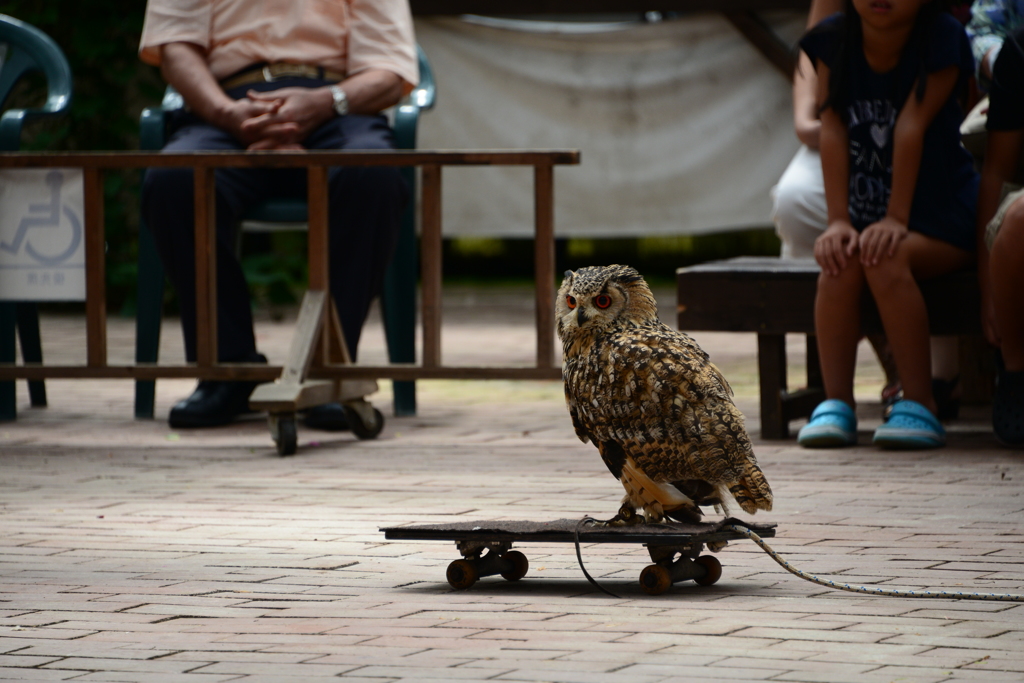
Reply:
x=204, y=164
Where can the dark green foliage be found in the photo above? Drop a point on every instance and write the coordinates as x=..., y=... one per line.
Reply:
x=276, y=268
x=655, y=257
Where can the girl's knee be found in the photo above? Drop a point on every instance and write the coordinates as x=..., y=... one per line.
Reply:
x=849, y=281
x=889, y=272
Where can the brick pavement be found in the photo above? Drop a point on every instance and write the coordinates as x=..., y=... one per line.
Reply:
x=134, y=553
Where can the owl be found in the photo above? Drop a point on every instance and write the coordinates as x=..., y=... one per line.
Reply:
x=660, y=413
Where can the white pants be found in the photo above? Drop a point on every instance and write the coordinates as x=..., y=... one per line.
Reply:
x=798, y=204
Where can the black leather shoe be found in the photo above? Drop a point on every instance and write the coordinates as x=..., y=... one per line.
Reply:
x=214, y=402
x=329, y=417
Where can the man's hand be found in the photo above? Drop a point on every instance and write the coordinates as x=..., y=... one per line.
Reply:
x=880, y=240
x=184, y=66
x=291, y=115
x=834, y=246
x=235, y=114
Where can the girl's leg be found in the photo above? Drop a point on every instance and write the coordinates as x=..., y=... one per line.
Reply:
x=837, y=324
x=893, y=284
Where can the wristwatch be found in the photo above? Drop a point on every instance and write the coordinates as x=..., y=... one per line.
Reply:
x=340, y=100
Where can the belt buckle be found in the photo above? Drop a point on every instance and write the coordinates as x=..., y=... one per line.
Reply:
x=267, y=76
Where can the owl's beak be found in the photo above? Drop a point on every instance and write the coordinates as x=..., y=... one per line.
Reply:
x=581, y=317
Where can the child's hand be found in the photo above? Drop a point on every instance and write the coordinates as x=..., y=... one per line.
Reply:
x=835, y=246
x=881, y=239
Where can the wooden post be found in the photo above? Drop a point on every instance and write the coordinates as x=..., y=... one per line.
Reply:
x=814, y=378
x=544, y=263
x=95, y=269
x=318, y=244
x=204, y=198
x=771, y=366
x=430, y=266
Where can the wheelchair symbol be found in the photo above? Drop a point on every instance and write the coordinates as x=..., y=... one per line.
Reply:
x=49, y=217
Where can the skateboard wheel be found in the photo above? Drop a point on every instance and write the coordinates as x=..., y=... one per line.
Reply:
x=655, y=579
x=462, y=574
x=713, y=567
x=520, y=565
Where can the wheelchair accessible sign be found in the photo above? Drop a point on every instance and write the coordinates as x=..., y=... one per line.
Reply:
x=42, y=250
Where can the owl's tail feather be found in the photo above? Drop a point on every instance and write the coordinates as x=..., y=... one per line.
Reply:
x=752, y=491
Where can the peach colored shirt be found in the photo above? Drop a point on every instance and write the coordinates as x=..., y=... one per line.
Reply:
x=348, y=36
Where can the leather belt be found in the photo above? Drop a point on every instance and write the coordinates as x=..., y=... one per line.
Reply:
x=271, y=72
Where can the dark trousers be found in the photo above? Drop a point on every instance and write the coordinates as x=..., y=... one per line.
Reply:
x=365, y=207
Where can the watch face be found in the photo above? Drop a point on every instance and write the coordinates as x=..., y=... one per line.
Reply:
x=340, y=100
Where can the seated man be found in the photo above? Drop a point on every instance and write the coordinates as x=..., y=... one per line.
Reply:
x=258, y=75
x=1001, y=238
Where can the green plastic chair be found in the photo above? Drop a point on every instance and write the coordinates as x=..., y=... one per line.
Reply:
x=398, y=299
x=28, y=50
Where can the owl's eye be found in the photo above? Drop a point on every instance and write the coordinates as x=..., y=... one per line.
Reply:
x=570, y=301
x=602, y=301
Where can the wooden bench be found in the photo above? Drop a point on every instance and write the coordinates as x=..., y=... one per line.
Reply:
x=772, y=296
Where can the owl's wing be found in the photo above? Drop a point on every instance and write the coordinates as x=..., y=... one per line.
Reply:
x=570, y=375
x=683, y=424
x=577, y=424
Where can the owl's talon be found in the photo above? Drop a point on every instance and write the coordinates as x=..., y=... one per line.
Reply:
x=627, y=517
x=653, y=518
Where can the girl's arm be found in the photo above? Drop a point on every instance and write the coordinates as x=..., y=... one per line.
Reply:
x=881, y=238
x=839, y=241
x=1002, y=153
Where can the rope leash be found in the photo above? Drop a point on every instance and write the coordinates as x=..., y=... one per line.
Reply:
x=579, y=557
x=867, y=590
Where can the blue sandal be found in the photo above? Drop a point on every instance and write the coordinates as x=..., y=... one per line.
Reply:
x=910, y=426
x=833, y=424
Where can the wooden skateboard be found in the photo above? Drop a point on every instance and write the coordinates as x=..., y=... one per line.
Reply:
x=675, y=547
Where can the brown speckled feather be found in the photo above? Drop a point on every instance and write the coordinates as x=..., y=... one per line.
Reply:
x=639, y=389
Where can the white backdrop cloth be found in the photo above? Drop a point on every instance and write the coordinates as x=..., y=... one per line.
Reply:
x=683, y=126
